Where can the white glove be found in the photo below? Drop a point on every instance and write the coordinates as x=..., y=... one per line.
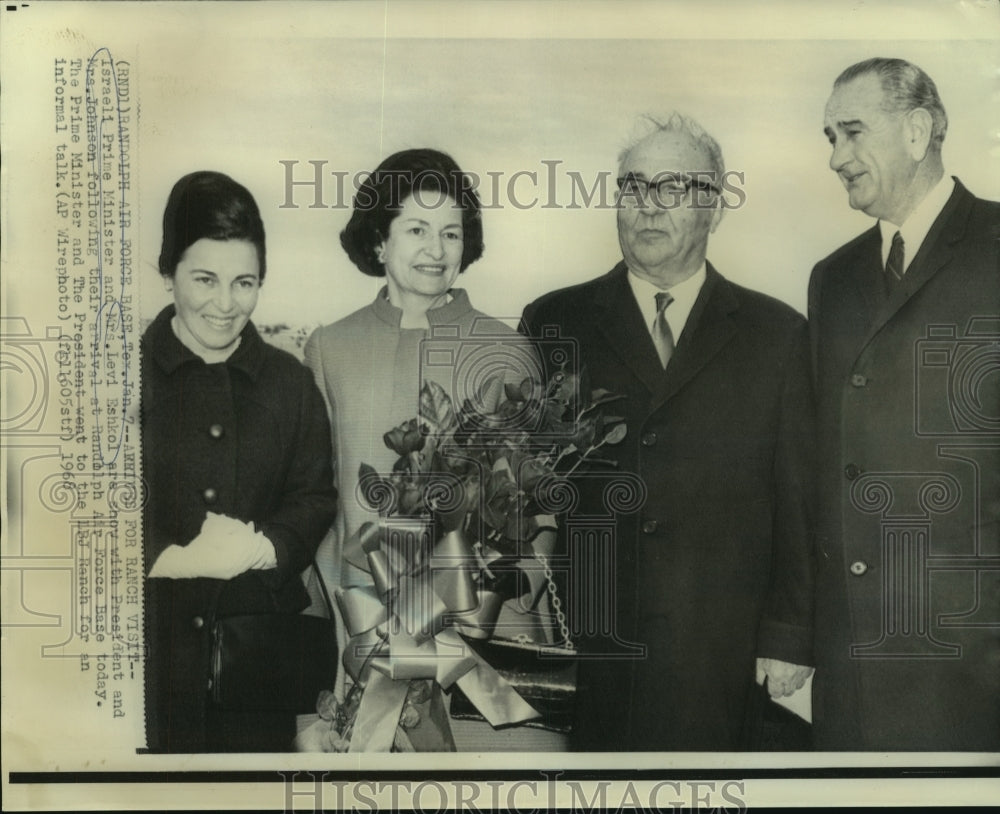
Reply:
x=224, y=549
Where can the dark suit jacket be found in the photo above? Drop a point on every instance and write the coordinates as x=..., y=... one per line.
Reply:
x=714, y=569
x=908, y=601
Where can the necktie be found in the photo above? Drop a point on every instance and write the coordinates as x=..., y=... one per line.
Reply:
x=663, y=338
x=895, y=263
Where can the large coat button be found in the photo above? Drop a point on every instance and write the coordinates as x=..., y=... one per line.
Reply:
x=852, y=471
x=216, y=431
x=859, y=567
x=649, y=527
x=197, y=623
x=649, y=439
x=210, y=496
x=859, y=380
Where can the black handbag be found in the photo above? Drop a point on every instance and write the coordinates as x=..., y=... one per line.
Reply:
x=273, y=662
x=543, y=675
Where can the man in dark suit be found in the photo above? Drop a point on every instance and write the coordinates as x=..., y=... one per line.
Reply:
x=905, y=321
x=714, y=572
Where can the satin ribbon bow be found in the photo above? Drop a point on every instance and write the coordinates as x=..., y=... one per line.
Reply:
x=404, y=625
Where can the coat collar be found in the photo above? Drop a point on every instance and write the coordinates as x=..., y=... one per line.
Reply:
x=169, y=353
x=708, y=329
x=866, y=273
x=451, y=313
x=620, y=322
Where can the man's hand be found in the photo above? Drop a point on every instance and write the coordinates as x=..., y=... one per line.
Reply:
x=783, y=678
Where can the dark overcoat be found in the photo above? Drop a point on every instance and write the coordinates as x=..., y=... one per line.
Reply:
x=908, y=585
x=248, y=438
x=714, y=569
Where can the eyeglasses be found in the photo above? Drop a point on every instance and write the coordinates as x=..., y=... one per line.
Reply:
x=667, y=189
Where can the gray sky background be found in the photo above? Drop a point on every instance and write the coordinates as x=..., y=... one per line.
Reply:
x=241, y=104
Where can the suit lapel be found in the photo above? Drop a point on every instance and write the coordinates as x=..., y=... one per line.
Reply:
x=859, y=290
x=622, y=326
x=866, y=276
x=935, y=253
x=709, y=327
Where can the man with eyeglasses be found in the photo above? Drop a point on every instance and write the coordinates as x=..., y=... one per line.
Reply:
x=711, y=579
x=905, y=322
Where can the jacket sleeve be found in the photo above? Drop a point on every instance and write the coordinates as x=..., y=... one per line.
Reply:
x=786, y=626
x=815, y=287
x=308, y=503
x=528, y=325
x=314, y=361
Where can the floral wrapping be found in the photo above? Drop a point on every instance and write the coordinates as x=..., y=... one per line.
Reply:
x=461, y=531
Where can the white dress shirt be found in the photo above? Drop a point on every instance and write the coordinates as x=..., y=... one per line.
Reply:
x=916, y=227
x=684, y=293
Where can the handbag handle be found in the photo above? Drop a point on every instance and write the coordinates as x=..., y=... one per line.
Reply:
x=322, y=587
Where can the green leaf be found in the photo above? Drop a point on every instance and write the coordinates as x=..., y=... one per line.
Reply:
x=375, y=489
x=567, y=388
x=599, y=398
x=513, y=392
x=602, y=396
x=528, y=388
x=436, y=408
x=410, y=499
x=489, y=392
x=585, y=431
x=616, y=435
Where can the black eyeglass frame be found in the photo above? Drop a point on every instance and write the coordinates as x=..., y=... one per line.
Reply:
x=667, y=188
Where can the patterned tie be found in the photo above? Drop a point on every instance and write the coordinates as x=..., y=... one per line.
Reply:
x=663, y=338
x=895, y=263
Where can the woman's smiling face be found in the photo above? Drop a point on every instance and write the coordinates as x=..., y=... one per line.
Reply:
x=423, y=252
x=215, y=289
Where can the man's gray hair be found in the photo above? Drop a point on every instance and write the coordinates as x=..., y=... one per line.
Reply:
x=676, y=122
x=906, y=88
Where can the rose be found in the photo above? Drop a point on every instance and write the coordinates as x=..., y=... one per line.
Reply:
x=406, y=438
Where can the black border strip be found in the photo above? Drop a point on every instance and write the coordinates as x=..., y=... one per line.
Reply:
x=636, y=775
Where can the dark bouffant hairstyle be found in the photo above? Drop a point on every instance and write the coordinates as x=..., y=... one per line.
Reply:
x=378, y=199
x=211, y=205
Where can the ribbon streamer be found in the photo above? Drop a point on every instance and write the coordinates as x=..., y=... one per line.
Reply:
x=405, y=625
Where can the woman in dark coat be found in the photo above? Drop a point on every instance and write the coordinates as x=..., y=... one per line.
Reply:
x=236, y=458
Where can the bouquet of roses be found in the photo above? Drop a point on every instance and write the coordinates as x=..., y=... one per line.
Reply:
x=465, y=526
